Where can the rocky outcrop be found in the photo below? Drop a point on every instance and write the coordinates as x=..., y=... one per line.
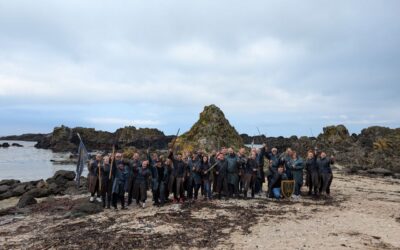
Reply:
x=65, y=139
x=62, y=182
x=211, y=131
x=374, y=149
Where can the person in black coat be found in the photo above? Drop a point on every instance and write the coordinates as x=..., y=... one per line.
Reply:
x=324, y=166
x=106, y=182
x=205, y=176
x=94, y=178
x=133, y=166
x=274, y=162
x=119, y=181
x=140, y=188
x=313, y=175
x=178, y=176
x=250, y=173
x=159, y=181
x=222, y=175
x=242, y=160
x=276, y=181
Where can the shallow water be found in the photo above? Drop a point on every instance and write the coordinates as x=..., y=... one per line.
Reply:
x=29, y=163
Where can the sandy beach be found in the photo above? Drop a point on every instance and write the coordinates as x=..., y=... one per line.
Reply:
x=363, y=213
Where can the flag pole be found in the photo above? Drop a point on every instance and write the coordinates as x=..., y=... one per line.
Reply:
x=112, y=162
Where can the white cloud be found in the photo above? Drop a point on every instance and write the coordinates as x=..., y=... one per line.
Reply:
x=270, y=50
x=319, y=62
x=121, y=121
x=193, y=53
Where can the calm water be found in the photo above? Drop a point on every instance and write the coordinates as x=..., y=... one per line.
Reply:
x=29, y=163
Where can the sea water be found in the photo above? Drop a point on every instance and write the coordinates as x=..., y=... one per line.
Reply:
x=28, y=163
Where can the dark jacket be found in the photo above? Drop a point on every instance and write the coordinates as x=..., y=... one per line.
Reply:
x=277, y=180
x=143, y=175
x=297, y=167
x=312, y=166
x=204, y=166
x=222, y=168
x=250, y=166
x=275, y=159
x=194, y=170
x=179, y=167
x=324, y=165
x=120, y=177
x=133, y=167
x=232, y=168
x=93, y=176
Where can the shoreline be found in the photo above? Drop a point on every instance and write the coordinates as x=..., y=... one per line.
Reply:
x=362, y=214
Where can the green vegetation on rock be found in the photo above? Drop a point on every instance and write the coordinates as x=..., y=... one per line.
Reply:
x=210, y=132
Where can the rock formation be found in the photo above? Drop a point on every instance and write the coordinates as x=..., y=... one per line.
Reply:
x=62, y=182
x=374, y=148
x=211, y=131
x=65, y=139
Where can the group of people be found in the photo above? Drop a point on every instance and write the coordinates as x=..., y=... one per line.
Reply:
x=223, y=174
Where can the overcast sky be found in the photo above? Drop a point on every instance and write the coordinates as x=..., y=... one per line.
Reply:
x=287, y=67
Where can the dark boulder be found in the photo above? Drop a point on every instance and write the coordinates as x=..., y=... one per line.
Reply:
x=61, y=178
x=380, y=171
x=64, y=174
x=9, y=182
x=5, y=145
x=39, y=192
x=4, y=188
x=20, y=189
x=26, y=200
x=55, y=189
x=16, y=145
x=6, y=195
x=84, y=207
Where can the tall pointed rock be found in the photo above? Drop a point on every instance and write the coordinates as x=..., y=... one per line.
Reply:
x=210, y=132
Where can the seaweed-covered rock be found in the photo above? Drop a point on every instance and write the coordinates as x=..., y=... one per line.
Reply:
x=334, y=134
x=26, y=200
x=84, y=207
x=211, y=131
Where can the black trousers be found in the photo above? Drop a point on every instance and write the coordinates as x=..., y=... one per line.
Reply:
x=222, y=185
x=160, y=193
x=117, y=197
x=131, y=184
x=313, y=182
x=326, y=181
x=140, y=191
x=106, y=188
